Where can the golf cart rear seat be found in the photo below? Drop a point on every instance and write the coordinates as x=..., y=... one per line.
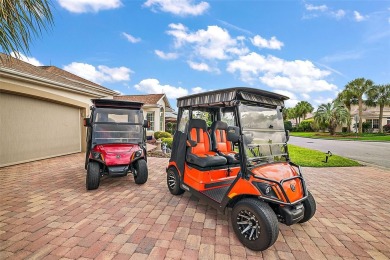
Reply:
x=220, y=143
x=199, y=146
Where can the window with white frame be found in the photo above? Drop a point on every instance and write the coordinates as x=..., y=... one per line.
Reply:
x=388, y=121
x=150, y=118
x=374, y=123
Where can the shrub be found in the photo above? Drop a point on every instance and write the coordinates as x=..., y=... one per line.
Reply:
x=168, y=141
x=344, y=129
x=305, y=126
x=288, y=125
x=160, y=134
x=386, y=128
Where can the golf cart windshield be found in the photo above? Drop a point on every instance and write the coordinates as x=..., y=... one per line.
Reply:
x=264, y=134
x=117, y=126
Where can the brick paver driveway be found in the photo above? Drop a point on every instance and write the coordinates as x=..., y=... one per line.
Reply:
x=46, y=212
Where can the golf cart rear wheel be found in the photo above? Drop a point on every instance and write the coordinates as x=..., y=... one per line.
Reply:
x=173, y=182
x=93, y=176
x=310, y=208
x=140, y=171
x=255, y=224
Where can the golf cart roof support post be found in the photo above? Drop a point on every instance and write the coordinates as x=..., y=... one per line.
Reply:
x=241, y=147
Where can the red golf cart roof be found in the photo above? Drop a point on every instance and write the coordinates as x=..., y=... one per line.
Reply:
x=222, y=96
x=112, y=103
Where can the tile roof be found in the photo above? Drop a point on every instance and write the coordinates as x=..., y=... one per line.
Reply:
x=50, y=73
x=146, y=99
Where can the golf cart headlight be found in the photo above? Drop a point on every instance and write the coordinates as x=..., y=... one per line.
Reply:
x=265, y=189
x=97, y=156
x=137, y=153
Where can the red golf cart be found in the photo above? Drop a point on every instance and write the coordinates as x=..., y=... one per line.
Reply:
x=115, y=141
x=230, y=149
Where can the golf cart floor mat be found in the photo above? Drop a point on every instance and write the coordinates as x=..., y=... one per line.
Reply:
x=217, y=193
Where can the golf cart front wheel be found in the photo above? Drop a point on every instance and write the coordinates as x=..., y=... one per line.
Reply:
x=310, y=208
x=140, y=171
x=255, y=224
x=93, y=176
x=173, y=182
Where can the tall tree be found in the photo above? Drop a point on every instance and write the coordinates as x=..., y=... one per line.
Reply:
x=347, y=98
x=331, y=115
x=304, y=108
x=379, y=95
x=358, y=87
x=20, y=22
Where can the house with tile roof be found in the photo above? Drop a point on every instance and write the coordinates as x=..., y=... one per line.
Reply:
x=155, y=107
x=42, y=109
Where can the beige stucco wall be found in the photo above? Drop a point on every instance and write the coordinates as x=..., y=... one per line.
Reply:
x=156, y=110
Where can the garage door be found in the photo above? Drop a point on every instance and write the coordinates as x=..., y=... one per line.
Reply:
x=33, y=129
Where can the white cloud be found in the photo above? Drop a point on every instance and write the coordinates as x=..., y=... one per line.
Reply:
x=305, y=96
x=358, y=17
x=100, y=73
x=213, y=43
x=273, y=43
x=85, y=6
x=197, y=90
x=321, y=8
x=202, y=67
x=24, y=58
x=131, y=38
x=297, y=76
x=153, y=86
x=292, y=101
x=178, y=7
x=166, y=55
x=338, y=14
x=322, y=100
x=119, y=92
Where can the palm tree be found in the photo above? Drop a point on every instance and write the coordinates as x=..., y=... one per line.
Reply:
x=379, y=95
x=304, y=108
x=293, y=114
x=347, y=98
x=358, y=87
x=331, y=115
x=20, y=21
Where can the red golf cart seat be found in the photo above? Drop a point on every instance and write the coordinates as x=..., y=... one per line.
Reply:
x=220, y=144
x=199, y=150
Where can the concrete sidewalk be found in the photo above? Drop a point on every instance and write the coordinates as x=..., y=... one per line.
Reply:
x=46, y=213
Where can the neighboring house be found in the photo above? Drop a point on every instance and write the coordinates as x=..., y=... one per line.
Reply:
x=370, y=115
x=155, y=107
x=42, y=111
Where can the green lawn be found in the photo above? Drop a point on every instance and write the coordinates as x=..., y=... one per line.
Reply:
x=344, y=136
x=313, y=158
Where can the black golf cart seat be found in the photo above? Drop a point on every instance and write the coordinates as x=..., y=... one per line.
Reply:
x=200, y=151
x=220, y=144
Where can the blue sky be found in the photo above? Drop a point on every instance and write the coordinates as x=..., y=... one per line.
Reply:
x=307, y=50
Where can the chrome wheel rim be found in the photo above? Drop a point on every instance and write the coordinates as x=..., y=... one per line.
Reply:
x=171, y=180
x=248, y=225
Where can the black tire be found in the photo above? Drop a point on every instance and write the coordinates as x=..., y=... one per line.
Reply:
x=310, y=208
x=261, y=229
x=173, y=182
x=140, y=171
x=93, y=176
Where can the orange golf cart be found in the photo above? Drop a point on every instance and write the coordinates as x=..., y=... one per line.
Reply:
x=230, y=149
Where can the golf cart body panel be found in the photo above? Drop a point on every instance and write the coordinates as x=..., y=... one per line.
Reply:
x=230, y=148
x=115, y=137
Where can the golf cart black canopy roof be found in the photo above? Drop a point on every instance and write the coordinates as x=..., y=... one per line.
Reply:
x=225, y=96
x=113, y=103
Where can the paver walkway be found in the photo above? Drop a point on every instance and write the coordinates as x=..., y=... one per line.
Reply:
x=46, y=213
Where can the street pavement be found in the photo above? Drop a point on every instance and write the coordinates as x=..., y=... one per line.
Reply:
x=46, y=213
x=377, y=153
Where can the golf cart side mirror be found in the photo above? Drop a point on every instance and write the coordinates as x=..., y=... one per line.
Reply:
x=87, y=122
x=233, y=134
x=146, y=124
x=287, y=135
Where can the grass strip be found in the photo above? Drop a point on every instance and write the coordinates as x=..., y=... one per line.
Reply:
x=312, y=158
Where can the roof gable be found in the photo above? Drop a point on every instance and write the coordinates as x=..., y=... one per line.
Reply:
x=151, y=99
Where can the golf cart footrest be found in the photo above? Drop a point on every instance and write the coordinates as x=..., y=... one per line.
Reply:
x=118, y=170
x=216, y=194
x=292, y=214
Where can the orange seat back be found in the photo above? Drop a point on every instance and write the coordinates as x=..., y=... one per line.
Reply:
x=218, y=136
x=197, y=131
